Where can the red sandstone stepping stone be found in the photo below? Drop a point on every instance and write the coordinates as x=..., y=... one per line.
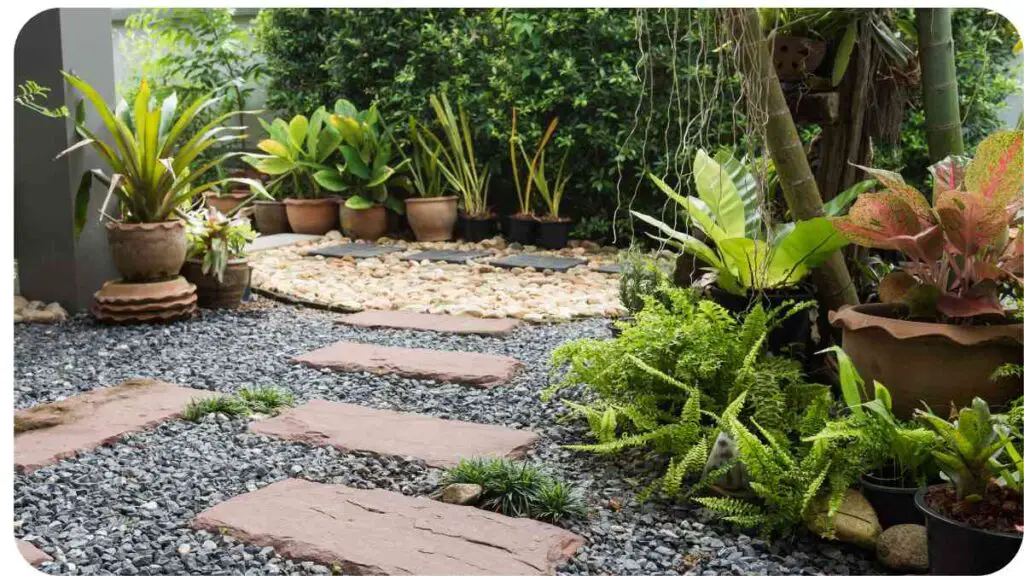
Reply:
x=480, y=370
x=47, y=433
x=381, y=532
x=434, y=322
x=436, y=441
x=34, y=556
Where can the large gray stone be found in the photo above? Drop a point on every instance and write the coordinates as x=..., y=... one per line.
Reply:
x=436, y=441
x=472, y=368
x=455, y=324
x=381, y=532
x=855, y=521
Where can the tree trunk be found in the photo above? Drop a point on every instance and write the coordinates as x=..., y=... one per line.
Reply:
x=763, y=92
x=938, y=83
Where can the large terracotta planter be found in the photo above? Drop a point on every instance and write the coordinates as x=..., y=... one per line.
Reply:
x=214, y=293
x=312, y=216
x=225, y=203
x=369, y=224
x=432, y=219
x=933, y=363
x=271, y=217
x=145, y=252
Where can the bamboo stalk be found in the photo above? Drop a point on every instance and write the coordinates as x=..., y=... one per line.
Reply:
x=938, y=83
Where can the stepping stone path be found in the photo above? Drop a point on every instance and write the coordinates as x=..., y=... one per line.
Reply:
x=34, y=556
x=438, y=442
x=452, y=323
x=450, y=256
x=47, y=433
x=472, y=368
x=381, y=532
x=610, y=268
x=355, y=250
x=554, y=263
x=280, y=240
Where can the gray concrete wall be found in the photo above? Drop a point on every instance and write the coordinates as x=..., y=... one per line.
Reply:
x=52, y=265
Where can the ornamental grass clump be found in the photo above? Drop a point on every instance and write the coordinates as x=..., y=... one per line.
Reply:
x=261, y=400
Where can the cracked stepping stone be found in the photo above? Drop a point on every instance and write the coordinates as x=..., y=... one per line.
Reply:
x=434, y=322
x=34, y=556
x=472, y=368
x=354, y=250
x=610, y=269
x=450, y=256
x=382, y=532
x=554, y=263
x=280, y=240
x=439, y=443
x=47, y=433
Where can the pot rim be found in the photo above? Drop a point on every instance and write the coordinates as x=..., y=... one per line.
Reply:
x=308, y=201
x=932, y=514
x=235, y=194
x=268, y=203
x=559, y=220
x=867, y=479
x=858, y=317
x=464, y=216
x=166, y=224
x=427, y=200
x=231, y=262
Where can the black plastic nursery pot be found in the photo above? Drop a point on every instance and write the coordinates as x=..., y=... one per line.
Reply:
x=794, y=330
x=553, y=234
x=520, y=228
x=893, y=503
x=475, y=229
x=956, y=548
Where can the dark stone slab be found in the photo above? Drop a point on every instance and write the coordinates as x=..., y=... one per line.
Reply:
x=538, y=262
x=355, y=250
x=450, y=256
x=610, y=268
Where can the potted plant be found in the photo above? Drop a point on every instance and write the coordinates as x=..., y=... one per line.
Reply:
x=748, y=261
x=459, y=167
x=521, y=226
x=216, y=261
x=431, y=216
x=552, y=228
x=271, y=216
x=151, y=175
x=974, y=522
x=941, y=329
x=367, y=150
x=296, y=157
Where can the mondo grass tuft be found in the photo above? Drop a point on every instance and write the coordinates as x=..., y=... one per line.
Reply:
x=263, y=400
x=222, y=403
x=266, y=400
x=518, y=489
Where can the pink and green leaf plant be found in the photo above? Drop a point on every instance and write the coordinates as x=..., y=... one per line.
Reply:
x=963, y=246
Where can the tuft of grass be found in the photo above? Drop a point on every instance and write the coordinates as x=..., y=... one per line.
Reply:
x=266, y=399
x=222, y=403
x=517, y=489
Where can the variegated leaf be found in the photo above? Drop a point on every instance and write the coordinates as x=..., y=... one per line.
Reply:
x=948, y=174
x=997, y=171
x=876, y=218
x=971, y=222
x=894, y=183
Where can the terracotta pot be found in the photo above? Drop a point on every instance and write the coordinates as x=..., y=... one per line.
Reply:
x=271, y=217
x=213, y=293
x=225, y=203
x=145, y=252
x=432, y=219
x=934, y=363
x=369, y=224
x=312, y=216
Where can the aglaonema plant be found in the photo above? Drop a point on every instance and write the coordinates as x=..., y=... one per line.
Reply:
x=964, y=245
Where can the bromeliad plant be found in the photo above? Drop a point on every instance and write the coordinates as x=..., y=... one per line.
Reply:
x=297, y=154
x=745, y=255
x=963, y=247
x=367, y=148
x=217, y=239
x=150, y=162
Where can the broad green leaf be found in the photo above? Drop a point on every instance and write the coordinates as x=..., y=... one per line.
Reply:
x=275, y=148
x=274, y=165
x=167, y=109
x=746, y=186
x=354, y=164
x=297, y=131
x=695, y=208
x=327, y=143
x=343, y=107
x=747, y=259
x=882, y=395
x=331, y=180
x=844, y=52
x=358, y=203
x=690, y=244
x=719, y=192
x=837, y=205
x=803, y=245
x=349, y=129
x=381, y=175
x=850, y=382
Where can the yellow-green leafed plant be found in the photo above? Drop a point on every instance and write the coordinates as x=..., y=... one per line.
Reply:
x=523, y=193
x=550, y=192
x=367, y=147
x=458, y=160
x=297, y=153
x=151, y=167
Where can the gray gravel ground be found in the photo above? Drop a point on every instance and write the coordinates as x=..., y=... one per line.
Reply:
x=125, y=509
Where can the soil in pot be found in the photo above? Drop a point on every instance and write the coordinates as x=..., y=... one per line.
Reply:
x=970, y=537
x=271, y=217
x=147, y=252
x=369, y=224
x=432, y=219
x=312, y=216
x=795, y=331
x=553, y=234
x=214, y=293
x=520, y=228
x=225, y=203
x=474, y=229
x=930, y=362
x=891, y=497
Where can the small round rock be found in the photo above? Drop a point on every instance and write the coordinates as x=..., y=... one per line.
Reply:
x=904, y=547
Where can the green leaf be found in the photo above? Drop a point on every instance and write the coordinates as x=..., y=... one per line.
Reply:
x=883, y=396
x=746, y=187
x=297, y=131
x=276, y=148
x=354, y=164
x=690, y=244
x=331, y=180
x=695, y=208
x=719, y=192
x=844, y=52
x=274, y=165
x=837, y=206
x=380, y=175
x=358, y=203
x=804, y=245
